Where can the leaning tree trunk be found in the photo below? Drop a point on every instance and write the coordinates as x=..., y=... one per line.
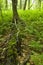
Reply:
x=28, y=4
x=39, y=4
x=6, y=4
x=20, y=4
x=1, y=10
x=25, y=4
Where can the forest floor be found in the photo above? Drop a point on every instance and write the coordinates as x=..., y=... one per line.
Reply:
x=34, y=26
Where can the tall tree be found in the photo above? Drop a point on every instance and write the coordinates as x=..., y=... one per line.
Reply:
x=39, y=4
x=6, y=4
x=20, y=4
x=28, y=4
x=1, y=7
x=25, y=4
x=15, y=13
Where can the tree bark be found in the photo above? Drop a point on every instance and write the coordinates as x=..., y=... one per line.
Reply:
x=14, y=8
x=39, y=1
x=20, y=4
x=28, y=4
x=25, y=4
x=6, y=4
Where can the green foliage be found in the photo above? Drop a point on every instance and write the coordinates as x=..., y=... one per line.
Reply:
x=38, y=59
x=31, y=15
x=5, y=22
x=33, y=20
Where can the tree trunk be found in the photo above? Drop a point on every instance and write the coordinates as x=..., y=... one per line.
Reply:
x=25, y=4
x=6, y=4
x=28, y=4
x=20, y=4
x=39, y=3
x=1, y=9
x=15, y=13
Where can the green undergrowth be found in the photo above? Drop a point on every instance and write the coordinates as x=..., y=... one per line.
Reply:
x=37, y=58
x=33, y=20
x=34, y=26
x=31, y=15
